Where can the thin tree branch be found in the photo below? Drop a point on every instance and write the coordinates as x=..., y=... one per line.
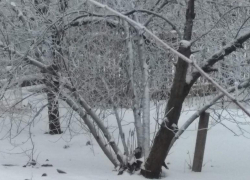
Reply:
x=241, y=27
x=221, y=54
x=223, y=15
x=142, y=28
x=203, y=109
x=157, y=15
x=77, y=108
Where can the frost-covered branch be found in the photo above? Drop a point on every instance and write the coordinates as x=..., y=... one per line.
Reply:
x=83, y=103
x=20, y=15
x=118, y=119
x=182, y=129
x=135, y=99
x=157, y=15
x=27, y=58
x=86, y=19
x=78, y=109
x=227, y=50
x=216, y=23
x=221, y=54
x=21, y=80
x=100, y=124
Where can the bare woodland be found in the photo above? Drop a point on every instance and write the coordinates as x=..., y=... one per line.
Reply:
x=108, y=55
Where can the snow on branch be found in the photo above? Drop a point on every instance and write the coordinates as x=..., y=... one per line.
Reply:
x=158, y=15
x=245, y=84
x=237, y=43
x=78, y=109
x=100, y=124
x=20, y=14
x=185, y=43
x=37, y=88
x=20, y=80
x=221, y=54
x=86, y=19
x=27, y=58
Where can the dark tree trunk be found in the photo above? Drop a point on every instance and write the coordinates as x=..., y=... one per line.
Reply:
x=53, y=111
x=52, y=83
x=53, y=107
x=179, y=91
x=51, y=79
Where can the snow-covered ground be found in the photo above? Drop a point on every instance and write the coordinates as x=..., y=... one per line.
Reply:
x=227, y=157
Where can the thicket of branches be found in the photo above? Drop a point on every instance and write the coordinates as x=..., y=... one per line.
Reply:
x=124, y=54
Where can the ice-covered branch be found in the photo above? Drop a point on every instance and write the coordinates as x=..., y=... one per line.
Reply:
x=221, y=54
x=227, y=50
x=78, y=109
x=27, y=58
x=157, y=15
x=135, y=100
x=118, y=119
x=100, y=124
x=204, y=108
x=21, y=80
x=86, y=19
x=20, y=15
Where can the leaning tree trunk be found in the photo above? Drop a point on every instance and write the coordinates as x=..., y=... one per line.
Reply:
x=179, y=91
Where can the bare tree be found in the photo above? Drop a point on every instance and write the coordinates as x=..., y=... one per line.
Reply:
x=96, y=57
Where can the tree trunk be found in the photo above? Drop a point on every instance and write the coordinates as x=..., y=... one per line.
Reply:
x=146, y=96
x=146, y=103
x=52, y=82
x=135, y=98
x=79, y=110
x=53, y=110
x=179, y=91
x=122, y=135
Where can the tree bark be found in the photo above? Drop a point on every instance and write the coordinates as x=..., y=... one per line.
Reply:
x=53, y=108
x=135, y=98
x=145, y=100
x=78, y=109
x=179, y=91
x=146, y=95
x=52, y=82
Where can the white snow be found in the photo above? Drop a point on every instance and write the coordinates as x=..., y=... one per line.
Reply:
x=9, y=68
x=185, y=43
x=189, y=78
x=174, y=126
x=173, y=31
x=13, y=4
x=226, y=156
x=1, y=44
